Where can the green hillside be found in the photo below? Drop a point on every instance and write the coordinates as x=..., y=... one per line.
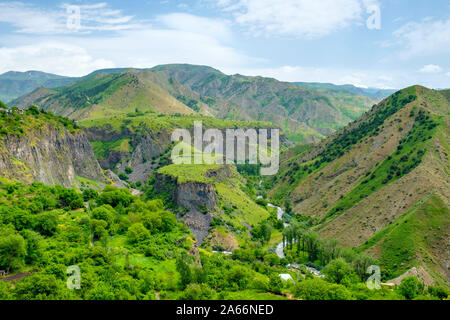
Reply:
x=305, y=113
x=359, y=182
x=105, y=94
x=14, y=84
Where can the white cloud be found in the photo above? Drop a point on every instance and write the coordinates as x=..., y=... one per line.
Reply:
x=30, y=19
x=180, y=38
x=425, y=38
x=448, y=74
x=311, y=74
x=55, y=57
x=217, y=28
x=431, y=68
x=300, y=18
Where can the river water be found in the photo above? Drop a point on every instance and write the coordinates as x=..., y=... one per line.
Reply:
x=279, y=250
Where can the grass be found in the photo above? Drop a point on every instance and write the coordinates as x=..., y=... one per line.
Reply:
x=157, y=122
x=252, y=295
x=412, y=238
x=101, y=148
x=408, y=156
x=189, y=172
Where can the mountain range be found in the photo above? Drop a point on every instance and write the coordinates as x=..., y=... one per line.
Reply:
x=306, y=112
x=382, y=183
x=367, y=182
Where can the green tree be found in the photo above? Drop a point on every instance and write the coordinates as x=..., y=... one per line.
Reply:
x=41, y=287
x=196, y=291
x=89, y=194
x=137, y=232
x=183, y=268
x=105, y=213
x=12, y=251
x=33, y=246
x=128, y=170
x=337, y=270
x=410, y=287
x=275, y=283
x=98, y=228
x=46, y=223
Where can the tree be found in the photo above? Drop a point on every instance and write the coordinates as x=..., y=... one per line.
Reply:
x=410, y=287
x=33, y=110
x=239, y=276
x=337, y=270
x=105, y=213
x=128, y=170
x=184, y=270
x=41, y=287
x=33, y=246
x=46, y=223
x=137, y=232
x=318, y=289
x=77, y=203
x=89, y=194
x=196, y=291
x=275, y=283
x=12, y=251
x=439, y=292
x=99, y=228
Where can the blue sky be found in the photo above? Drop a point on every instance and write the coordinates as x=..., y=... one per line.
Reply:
x=375, y=43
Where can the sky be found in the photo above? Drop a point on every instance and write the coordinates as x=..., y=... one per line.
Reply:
x=368, y=43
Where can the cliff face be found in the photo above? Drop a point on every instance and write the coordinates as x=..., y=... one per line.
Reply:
x=49, y=155
x=143, y=148
x=197, y=197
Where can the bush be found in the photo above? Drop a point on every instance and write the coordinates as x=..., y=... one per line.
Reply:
x=439, y=292
x=137, y=232
x=318, y=289
x=12, y=251
x=410, y=287
x=128, y=170
x=89, y=194
x=99, y=228
x=46, y=223
x=196, y=291
x=337, y=270
x=105, y=213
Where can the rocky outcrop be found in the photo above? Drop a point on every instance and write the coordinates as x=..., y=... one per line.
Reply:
x=198, y=198
x=144, y=148
x=49, y=155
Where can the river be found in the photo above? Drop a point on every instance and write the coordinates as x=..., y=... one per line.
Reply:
x=279, y=250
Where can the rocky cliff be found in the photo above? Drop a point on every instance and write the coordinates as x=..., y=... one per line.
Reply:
x=198, y=198
x=49, y=154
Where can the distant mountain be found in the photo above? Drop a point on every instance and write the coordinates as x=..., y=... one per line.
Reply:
x=14, y=84
x=351, y=89
x=106, y=93
x=381, y=183
x=305, y=114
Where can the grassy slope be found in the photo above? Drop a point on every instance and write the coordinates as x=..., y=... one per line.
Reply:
x=305, y=113
x=370, y=179
x=106, y=94
x=229, y=191
x=419, y=236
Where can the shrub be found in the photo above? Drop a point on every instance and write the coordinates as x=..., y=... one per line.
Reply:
x=410, y=287
x=137, y=232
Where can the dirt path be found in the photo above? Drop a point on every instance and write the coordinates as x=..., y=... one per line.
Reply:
x=14, y=277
